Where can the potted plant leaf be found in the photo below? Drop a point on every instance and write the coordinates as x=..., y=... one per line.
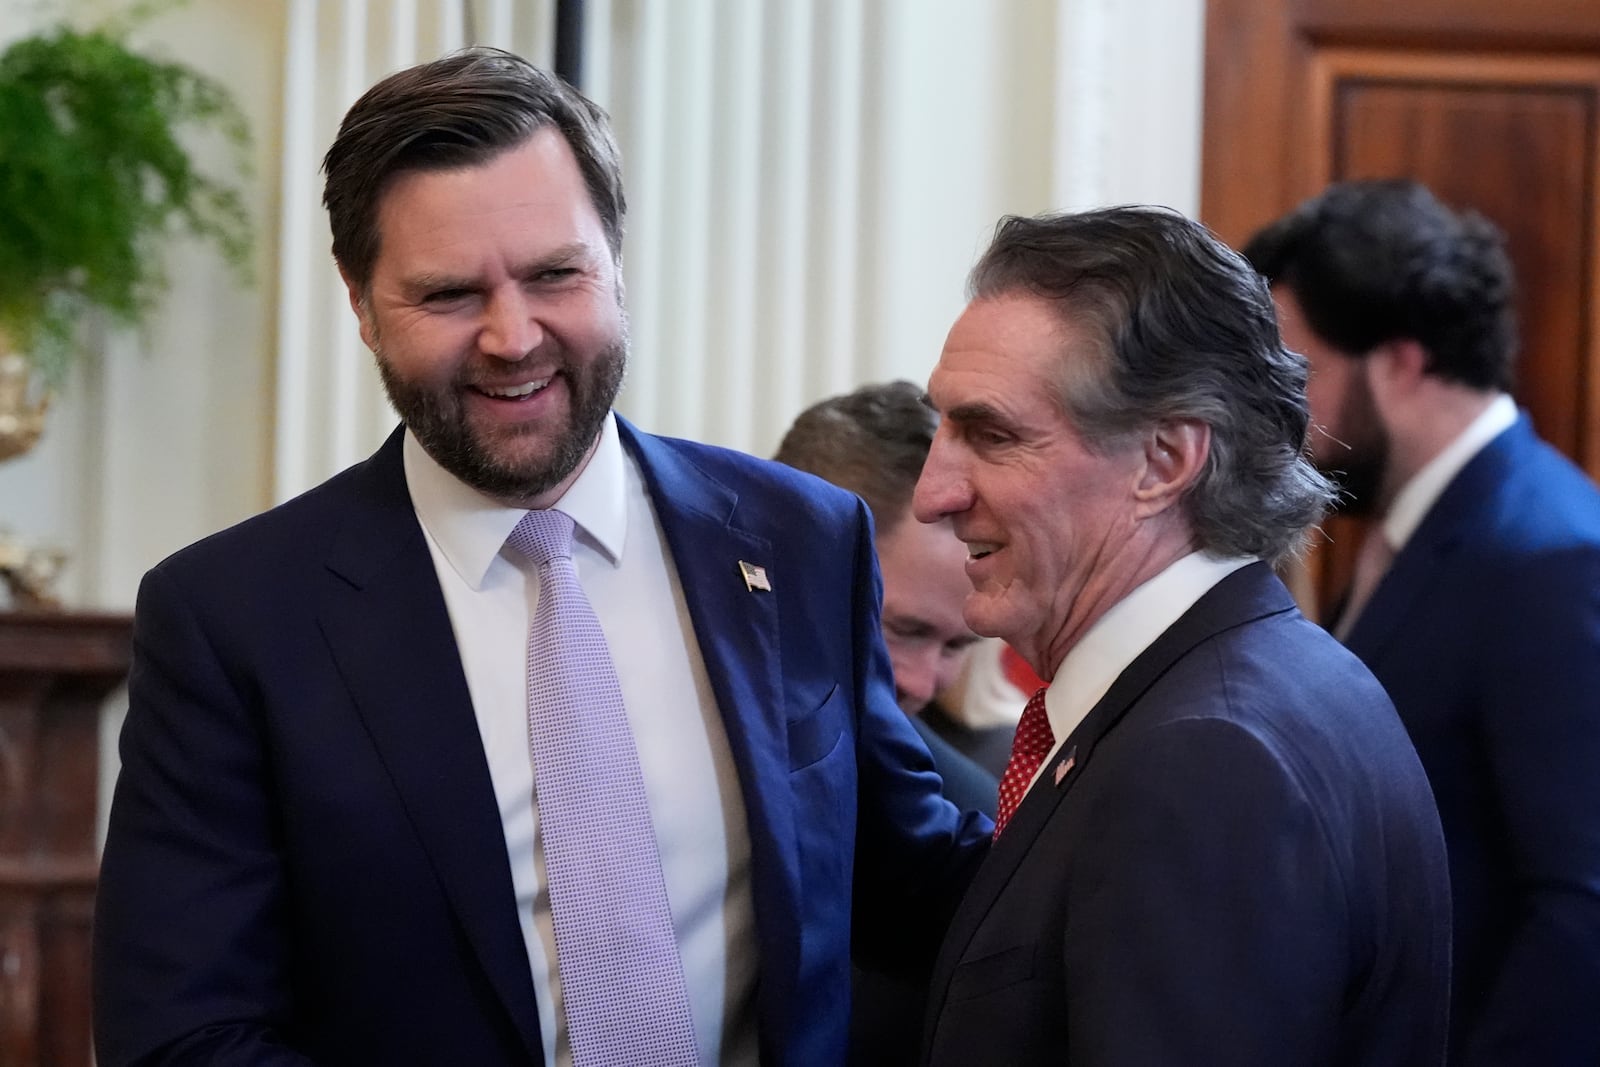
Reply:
x=94, y=174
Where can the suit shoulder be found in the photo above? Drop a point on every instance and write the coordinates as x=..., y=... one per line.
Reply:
x=291, y=529
x=1533, y=499
x=1286, y=686
x=1276, y=675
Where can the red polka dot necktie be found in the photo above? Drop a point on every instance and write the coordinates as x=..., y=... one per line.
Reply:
x=1028, y=750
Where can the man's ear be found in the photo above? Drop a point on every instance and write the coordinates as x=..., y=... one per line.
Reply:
x=363, y=309
x=1396, y=366
x=1175, y=452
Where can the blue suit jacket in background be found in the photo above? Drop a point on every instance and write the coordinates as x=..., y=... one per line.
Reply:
x=1486, y=632
x=306, y=863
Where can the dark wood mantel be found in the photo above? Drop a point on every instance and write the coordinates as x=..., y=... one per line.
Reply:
x=56, y=670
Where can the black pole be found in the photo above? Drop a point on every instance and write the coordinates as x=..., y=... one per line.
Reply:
x=569, y=42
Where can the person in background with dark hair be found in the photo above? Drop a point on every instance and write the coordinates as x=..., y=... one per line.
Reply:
x=535, y=738
x=873, y=442
x=1215, y=843
x=1476, y=599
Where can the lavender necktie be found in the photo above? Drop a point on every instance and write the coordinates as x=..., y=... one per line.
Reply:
x=622, y=982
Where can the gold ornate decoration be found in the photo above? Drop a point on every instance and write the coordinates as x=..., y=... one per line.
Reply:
x=27, y=571
x=30, y=572
x=21, y=419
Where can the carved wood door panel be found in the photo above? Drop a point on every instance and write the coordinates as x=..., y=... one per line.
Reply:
x=1495, y=106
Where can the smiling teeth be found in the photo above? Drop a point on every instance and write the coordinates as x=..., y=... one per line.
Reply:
x=978, y=550
x=512, y=392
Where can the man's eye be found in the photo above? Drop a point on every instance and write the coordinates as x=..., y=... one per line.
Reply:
x=446, y=296
x=555, y=274
x=988, y=435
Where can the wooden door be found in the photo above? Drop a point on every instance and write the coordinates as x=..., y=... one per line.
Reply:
x=1495, y=105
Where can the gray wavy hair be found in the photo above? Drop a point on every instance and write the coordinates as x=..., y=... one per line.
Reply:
x=1183, y=328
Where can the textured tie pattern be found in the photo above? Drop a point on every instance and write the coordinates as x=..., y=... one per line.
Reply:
x=1028, y=750
x=622, y=983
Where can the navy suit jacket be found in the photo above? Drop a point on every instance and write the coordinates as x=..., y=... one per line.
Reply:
x=305, y=862
x=966, y=785
x=1240, y=865
x=1486, y=632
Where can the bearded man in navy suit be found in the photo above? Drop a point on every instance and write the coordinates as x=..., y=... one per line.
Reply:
x=327, y=842
x=1476, y=599
x=1215, y=844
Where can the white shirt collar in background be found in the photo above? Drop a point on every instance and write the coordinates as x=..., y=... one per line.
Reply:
x=1417, y=497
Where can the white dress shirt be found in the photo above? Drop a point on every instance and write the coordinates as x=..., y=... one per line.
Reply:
x=1121, y=634
x=1412, y=504
x=1417, y=497
x=690, y=778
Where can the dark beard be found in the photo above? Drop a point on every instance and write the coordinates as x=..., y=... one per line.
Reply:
x=1360, y=472
x=437, y=420
x=1360, y=482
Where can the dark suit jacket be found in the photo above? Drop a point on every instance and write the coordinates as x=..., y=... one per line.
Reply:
x=987, y=746
x=1486, y=632
x=887, y=1008
x=306, y=862
x=1242, y=867
x=966, y=785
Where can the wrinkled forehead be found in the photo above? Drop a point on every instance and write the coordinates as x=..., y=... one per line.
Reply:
x=1015, y=357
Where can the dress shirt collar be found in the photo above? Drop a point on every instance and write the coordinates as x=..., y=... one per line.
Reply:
x=1130, y=627
x=471, y=528
x=1417, y=496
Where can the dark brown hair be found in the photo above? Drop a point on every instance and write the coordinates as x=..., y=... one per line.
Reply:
x=458, y=111
x=872, y=442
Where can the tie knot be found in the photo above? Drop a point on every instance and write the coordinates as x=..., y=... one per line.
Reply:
x=1033, y=730
x=1028, y=750
x=543, y=536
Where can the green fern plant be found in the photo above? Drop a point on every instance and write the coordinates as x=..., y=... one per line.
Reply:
x=94, y=174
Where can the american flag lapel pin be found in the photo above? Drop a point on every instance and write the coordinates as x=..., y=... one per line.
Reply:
x=1069, y=761
x=754, y=577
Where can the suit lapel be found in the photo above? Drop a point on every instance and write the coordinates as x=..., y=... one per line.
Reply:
x=1250, y=593
x=390, y=632
x=1446, y=527
x=736, y=629
x=1411, y=573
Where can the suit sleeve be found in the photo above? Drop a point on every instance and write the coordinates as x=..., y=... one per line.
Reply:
x=1540, y=721
x=915, y=853
x=1208, y=924
x=190, y=953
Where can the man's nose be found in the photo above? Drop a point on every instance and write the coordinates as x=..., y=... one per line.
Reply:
x=916, y=679
x=511, y=327
x=942, y=489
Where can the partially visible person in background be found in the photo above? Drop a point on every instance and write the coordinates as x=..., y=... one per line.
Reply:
x=1215, y=843
x=873, y=442
x=977, y=713
x=1476, y=597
